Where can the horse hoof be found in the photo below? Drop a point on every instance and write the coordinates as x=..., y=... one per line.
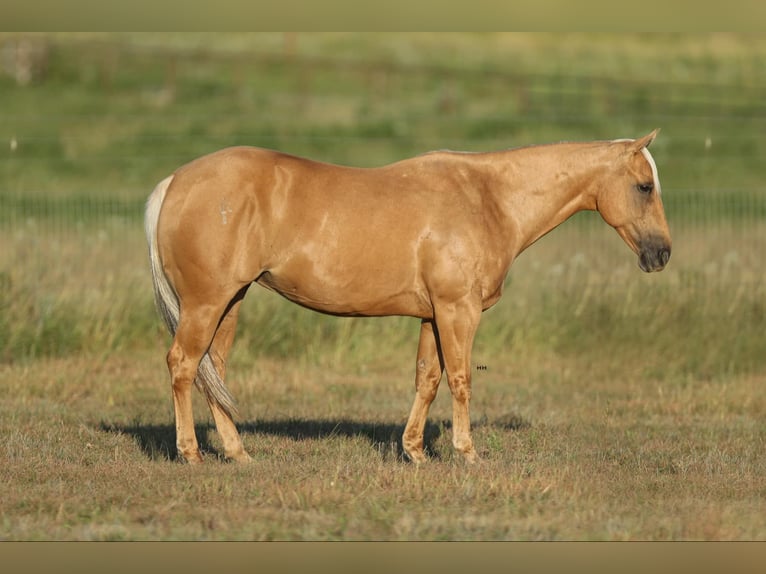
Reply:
x=194, y=458
x=241, y=458
x=416, y=457
x=470, y=457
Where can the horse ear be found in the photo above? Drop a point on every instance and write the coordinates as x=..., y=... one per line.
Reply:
x=645, y=141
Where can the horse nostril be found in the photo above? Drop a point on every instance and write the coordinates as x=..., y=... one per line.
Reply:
x=664, y=256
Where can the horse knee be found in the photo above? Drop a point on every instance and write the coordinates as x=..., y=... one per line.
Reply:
x=427, y=387
x=461, y=389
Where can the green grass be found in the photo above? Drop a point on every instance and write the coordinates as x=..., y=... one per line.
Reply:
x=90, y=290
x=611, y=405
x=133, y=107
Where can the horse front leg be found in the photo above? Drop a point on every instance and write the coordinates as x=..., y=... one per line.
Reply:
x=457, y=323
x=428, y=374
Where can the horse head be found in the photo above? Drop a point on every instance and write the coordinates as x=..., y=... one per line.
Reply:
x=630, y=200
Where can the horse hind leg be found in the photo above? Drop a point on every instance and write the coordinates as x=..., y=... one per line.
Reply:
x=427, y=377
x=219, y=352
x=196, y=328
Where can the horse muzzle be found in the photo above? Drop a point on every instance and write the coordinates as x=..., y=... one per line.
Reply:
x=654, y=256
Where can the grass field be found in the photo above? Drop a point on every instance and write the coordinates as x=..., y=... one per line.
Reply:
x=610, y=405
x=569, y=453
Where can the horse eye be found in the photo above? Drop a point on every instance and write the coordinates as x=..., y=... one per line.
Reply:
x=645, y=187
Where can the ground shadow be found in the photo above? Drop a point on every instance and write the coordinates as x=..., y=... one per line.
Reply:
x=158, y=441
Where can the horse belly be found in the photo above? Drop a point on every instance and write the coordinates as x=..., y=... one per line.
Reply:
x=351, y=290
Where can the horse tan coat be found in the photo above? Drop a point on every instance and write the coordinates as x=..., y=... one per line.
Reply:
x=430, y=237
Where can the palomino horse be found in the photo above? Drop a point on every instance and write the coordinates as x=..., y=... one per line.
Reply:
x=430, y=237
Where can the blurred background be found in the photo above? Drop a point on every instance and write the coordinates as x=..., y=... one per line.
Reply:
x=89, y=123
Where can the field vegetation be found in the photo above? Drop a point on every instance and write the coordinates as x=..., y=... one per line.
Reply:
x=608, y=404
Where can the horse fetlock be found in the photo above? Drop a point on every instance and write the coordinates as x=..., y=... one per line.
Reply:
x=464, y=445
x=240, y=457
x=468, y=451
x=413, y=448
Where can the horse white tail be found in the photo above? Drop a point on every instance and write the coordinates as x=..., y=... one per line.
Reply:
x=208, y=381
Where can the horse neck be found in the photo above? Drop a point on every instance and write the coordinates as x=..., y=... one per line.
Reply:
x=540, y=187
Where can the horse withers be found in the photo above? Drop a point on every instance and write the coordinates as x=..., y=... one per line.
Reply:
x=431, y=237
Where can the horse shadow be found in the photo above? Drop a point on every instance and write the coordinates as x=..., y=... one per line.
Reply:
x=157, y=442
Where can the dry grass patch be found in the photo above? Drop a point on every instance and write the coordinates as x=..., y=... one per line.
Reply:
x=90, y=455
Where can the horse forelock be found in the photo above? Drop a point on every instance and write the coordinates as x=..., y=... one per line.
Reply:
x=647, y=154
x=650, y=160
